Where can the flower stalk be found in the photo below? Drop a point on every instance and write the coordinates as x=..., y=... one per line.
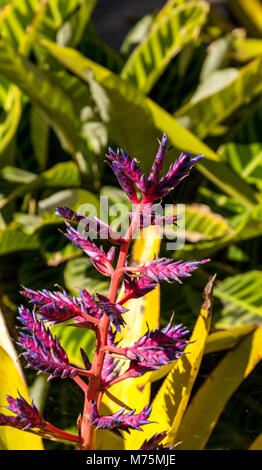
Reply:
x=103, y=314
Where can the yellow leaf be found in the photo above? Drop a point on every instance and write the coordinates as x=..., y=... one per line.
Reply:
x=211, y=398
x=12, y=380
x=227, y=339
x=257, y=444
x=135, y=393
x=171, y=400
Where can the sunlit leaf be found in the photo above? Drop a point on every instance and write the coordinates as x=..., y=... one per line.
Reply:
x=142, y=313
x=227, y=339
x=165, y=39
x=14, y=239
x=257, y=444
x=243, y=152
x=248, y=13
x=172, y=398
x=210, y=399
x=201, y=223
x=10, y=102
x=201, y=116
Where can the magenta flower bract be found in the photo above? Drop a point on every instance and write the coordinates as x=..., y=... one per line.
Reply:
x=27, y=416
x=109, y=371
x=57, y=307
x=96, y=255
x=93, y=224
x=164, y=269
x=158, y=347
x=152, y=187
x=136, y=287
x=154, y=443
x=121, y=421
x=43, y=352
x=112, y=310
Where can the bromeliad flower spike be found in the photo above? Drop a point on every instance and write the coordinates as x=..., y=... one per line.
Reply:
x=104, y=314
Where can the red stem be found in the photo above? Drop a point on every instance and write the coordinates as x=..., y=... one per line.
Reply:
x=94, y=392
x=64, y=435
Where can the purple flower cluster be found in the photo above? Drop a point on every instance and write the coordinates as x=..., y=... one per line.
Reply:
x=101, y=261
x=154, y=443
x=164, y=269
x=92, y=224
x=136, y=287
x=121, y=421
x=27, y=416
x=112, y=310
x=43, y=352
x=157, y=348
x=109, y=371
x=57, y=307
x=152, y=187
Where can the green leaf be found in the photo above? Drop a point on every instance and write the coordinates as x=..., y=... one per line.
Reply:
x=10, y=105
x=18, y=20
x=200, y=419
x=127, y=107
x=201, y=223
x=79, y=274
x=164, y=40
x=245, y=226
x=202, y=116
x=73, y=198
x=100, y=52
x=14, y=239
x=243, y=152
x=136, y=34
x=72, y=30
x=130, y=109
x=246, y=49
x=39, y=126
x=215, y=82
x=57, y=106
x=214, y=60
x=241, y=297
x=64, y=174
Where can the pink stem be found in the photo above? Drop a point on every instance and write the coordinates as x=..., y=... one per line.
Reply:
x=64, y=435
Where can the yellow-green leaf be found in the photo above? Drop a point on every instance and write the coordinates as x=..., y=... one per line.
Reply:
x=257, y=444
x=201, y=223
x=165, y=39
x=135, y=393
x=227, y=339
x=249, y=14
x=241, y=297
x=200, y=419
x=170, y=403
x=201, y=116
